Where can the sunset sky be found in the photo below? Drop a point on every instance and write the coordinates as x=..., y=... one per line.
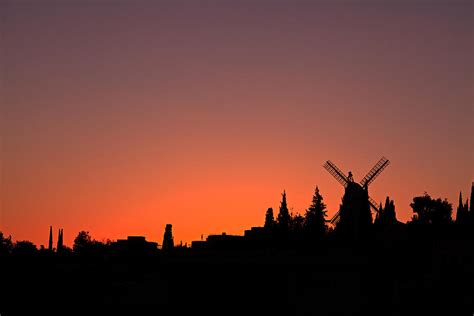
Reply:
x=118, y=117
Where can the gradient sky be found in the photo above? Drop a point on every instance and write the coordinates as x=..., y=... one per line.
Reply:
x=118, y=117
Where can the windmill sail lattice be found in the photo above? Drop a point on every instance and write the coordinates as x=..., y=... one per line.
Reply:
x=336, y=172
x=368, y=179
x=375, y=171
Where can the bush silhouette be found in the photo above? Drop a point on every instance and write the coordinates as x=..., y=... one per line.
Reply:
x=431, y=211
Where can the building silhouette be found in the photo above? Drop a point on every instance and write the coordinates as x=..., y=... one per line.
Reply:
x=134, y=246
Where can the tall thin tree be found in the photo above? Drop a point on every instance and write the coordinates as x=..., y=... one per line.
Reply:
x=269, y=219
x=461, y=212
x=471, y=202
x=59, y=246
x=284, y=214
x=168, y=242
x=389, y=212
x=50, y=243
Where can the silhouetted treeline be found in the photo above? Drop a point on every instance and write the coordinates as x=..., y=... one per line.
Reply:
x=300, y=260
x=288, y=230
x=299, y=230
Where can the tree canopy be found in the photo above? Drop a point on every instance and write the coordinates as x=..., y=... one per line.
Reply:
x=315, y=217
x=431, y=211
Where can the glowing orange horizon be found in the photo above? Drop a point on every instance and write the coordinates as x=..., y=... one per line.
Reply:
x=121, y=119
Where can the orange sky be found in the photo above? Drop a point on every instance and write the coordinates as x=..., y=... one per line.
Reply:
x=118, y=119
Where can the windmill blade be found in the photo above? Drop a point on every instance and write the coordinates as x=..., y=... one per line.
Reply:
x=335, y=219
x=336, y=173
x=373, y=204
x=375, y=172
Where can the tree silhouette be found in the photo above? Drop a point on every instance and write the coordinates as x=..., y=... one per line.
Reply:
x=471, y=202
x=82, y=242
x=462, y=213
x=59, y=246
x=50, y=243
x=85, y=245
x=466, y=210
x=168, y=242
x=269, y=219
x=431, y=211
x=295, y=234
x=315, y=217
x=391, y=216
x=283, y=215
x=297, y=224
x=24, y=248
x=6, y=245
x=386, y=215
x=379, y=215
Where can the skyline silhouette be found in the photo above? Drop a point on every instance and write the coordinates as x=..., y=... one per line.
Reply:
x=355, y=204
x=166, y=152
x=120, y=119
x=424, y=265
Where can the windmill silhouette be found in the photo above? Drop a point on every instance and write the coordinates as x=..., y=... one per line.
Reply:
x=347, y=181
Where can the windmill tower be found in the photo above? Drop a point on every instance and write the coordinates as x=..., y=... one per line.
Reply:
x=356, y=206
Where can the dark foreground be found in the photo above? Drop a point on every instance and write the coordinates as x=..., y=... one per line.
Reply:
x=424, y=277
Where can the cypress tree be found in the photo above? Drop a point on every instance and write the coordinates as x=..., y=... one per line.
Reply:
x=50, y=244
x=269, y=219
x=461, y=212
x=466, y=211
x=472, y=198
x=386, y=209
x=379, y=215
x=471, y=201
x=59, y=247
x=386, y=215
x=168, y=242
x=284, y=214
x=390, y=213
